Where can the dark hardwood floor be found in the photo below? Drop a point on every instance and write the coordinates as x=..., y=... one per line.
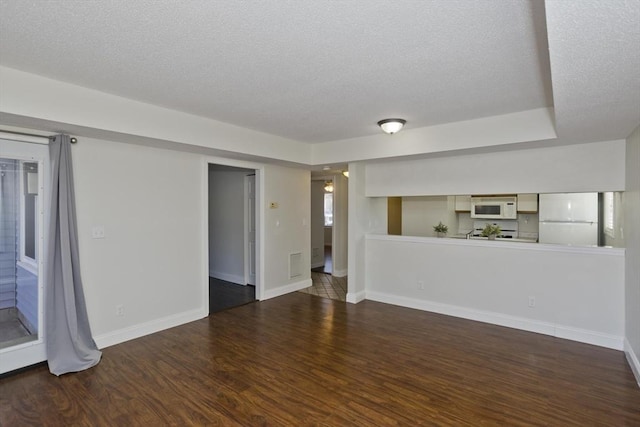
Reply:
x=304, y=360
x=224, y=295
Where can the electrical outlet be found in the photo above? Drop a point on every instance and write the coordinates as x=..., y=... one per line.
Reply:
x=421, y=284
x=532, y=302
x=120, y=310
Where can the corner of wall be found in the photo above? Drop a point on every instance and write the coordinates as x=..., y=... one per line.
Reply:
x=286, y=289
x=632, y=358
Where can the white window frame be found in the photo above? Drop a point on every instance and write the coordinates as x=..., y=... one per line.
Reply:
x=324, y=203
x=609, y=214
x=24, y=261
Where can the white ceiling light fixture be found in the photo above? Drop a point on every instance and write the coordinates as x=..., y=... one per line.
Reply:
x=391, y=126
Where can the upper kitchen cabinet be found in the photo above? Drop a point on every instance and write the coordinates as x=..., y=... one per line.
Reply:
x=463, y=204
x=527, y=203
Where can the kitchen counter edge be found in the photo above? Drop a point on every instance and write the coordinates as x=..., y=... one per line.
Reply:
x=527, y=246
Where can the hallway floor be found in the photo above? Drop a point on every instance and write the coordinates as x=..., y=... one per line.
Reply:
x=328, y=263
x=224, y=295
x=327, y=286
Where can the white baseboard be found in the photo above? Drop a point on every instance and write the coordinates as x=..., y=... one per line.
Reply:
x=546, y=328
x=233, y=278
x=339, y=273
x=147, y=328
x=318, y=264
x=632, y=358
x=16, y=357
x=356, y=297
x=286, y=289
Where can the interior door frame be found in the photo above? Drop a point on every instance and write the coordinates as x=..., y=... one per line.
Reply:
x=32, y=352
x=260, y=224
x=247, y=229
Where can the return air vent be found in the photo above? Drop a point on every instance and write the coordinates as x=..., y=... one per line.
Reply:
x=295, y=265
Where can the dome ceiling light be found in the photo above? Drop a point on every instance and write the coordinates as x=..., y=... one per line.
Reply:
x=391, y=126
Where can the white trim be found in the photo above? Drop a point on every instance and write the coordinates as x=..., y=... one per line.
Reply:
x=632, y=358
x=204, y=236
x=546, y=328
x=339, y=273
x=20, y=356
x=29, y=266
x=233, y=278
x=147, y=328
x=260, y=221
x=317, y=264
x=286, y=289
x=525, y=246
x=34, y=351
x=5, y=134
x=356, y=297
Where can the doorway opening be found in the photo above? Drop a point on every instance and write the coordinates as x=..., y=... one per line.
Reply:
x=329, y=196
x=322, y=219
x=23, y=171
x=232, y=236
x=18, y=252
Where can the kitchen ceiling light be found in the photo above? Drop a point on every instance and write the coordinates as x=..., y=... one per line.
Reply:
x=391, y=126
x=328, y=186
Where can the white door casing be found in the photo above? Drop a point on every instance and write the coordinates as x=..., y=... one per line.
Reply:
x=29, y=353
x=250, y=230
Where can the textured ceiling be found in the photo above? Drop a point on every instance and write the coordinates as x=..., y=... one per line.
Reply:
x=321, y=70
x=595, y=63
x=309, y=70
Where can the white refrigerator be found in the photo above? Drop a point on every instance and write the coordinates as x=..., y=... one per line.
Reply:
x=568, y=219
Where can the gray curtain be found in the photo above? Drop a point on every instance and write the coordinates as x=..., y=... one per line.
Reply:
x=70, y=346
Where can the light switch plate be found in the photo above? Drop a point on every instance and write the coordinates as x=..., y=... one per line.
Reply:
x=97, y=232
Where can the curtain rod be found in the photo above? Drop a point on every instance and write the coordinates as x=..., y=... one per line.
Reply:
x=73, y=140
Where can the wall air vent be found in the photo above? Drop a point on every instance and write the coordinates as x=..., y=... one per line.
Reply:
x=295, y=265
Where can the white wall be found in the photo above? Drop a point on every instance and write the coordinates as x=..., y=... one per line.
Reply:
x=340, y=226
x=507, y=129
x=632, y=238
x=420, y=214
x=153, y=205
x=573, y=168
x=328, y=236
x=579, y=292
x=88, y=112
x=287, y=228
x=588, y=307
x=226, y=225
x=617, y=241
x=366, y=215
x=150, y=204
x=317, y=224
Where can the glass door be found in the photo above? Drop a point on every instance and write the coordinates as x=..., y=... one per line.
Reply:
x=23, y=202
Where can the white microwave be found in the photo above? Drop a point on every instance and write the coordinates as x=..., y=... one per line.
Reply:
x=494, y=207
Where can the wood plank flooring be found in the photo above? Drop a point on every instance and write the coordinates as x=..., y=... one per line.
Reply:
x=304, y=360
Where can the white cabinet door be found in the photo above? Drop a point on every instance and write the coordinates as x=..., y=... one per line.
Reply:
x=528, y=203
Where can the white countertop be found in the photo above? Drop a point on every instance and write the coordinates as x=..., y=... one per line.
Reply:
x=498, y=243
x=518, y=239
